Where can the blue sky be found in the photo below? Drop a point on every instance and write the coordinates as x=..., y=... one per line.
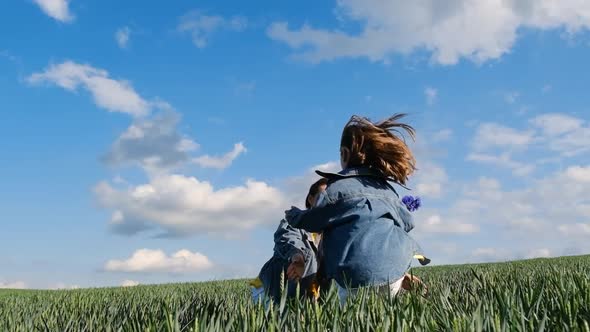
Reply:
x=157, y=143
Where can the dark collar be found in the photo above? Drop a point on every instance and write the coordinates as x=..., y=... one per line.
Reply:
x=350, y=173
x=356, y=172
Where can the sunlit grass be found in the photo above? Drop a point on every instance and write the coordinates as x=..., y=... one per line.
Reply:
x=533, y=295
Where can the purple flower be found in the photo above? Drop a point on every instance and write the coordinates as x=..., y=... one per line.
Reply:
x=412, y=203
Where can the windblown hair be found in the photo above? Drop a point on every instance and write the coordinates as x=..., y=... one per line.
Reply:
x=314, y=190
x=380, y=146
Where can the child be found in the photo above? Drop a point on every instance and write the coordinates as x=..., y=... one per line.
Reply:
x=364, y=224
x=295, y=247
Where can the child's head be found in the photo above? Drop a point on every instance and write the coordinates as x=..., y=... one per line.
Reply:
x=314, y=192
x=375, y=145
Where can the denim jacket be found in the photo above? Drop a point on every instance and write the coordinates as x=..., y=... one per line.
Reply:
x=365, y=240
x=288, y=241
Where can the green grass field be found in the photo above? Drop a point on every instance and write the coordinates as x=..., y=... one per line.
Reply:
x=532, y=295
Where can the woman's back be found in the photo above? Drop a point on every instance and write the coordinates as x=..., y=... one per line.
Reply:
x=365, y=224
x=365, y=240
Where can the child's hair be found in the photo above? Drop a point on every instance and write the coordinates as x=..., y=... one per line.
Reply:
x=314, y=190
x=376, y=146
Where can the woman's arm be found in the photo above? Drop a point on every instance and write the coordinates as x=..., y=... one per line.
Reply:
x=326, y=215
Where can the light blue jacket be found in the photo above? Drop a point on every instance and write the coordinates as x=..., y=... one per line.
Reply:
x=288, y=241
x=365, y=227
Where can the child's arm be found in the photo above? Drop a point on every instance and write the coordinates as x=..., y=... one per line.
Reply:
x=288, y=241
x=325, y=215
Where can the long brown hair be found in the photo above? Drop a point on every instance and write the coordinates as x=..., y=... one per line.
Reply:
x=380, y=146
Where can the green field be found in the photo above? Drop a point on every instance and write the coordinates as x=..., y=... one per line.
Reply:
x=532, y=295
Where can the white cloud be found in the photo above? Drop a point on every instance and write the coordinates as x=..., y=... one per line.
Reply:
x=484, y=251
x=488, y=28
x=110, y=94
x=513, y=220
x=555, y=132
x=490, y=254
x=129, y=283
x=503, y=160
x=122, y=36
x=575, y=230
x=550, y=210
x=64, y=286
x=221, y=162
x=434, y=224
x=490, y=135
x=578, y=174
x=57, y=9
x=429, y=189
x=431, y=95
x=564, y=133
x=153, y=143
x=146, y=260
x=485, y=189
x=573, y=143
x=442, y=135
x=13, y=285
x=181, y=205
x=202, y=26
x=555, y=124
x=430, y=180
x=539, y=253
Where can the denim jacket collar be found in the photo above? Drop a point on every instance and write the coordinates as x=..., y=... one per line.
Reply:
x=356, y=172
x=349, y=172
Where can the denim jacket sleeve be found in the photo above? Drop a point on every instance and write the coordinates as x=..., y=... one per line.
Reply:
x=326, y=215
x=406, y=218
x=288, y=241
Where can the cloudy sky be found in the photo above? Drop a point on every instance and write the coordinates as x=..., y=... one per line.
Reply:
x=162, y=142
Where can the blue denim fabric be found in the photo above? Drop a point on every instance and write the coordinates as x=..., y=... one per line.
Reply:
x=365, y=227
x=288, y=241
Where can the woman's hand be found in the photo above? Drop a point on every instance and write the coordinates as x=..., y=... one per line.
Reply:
x=292, y=213
x=296, y=268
